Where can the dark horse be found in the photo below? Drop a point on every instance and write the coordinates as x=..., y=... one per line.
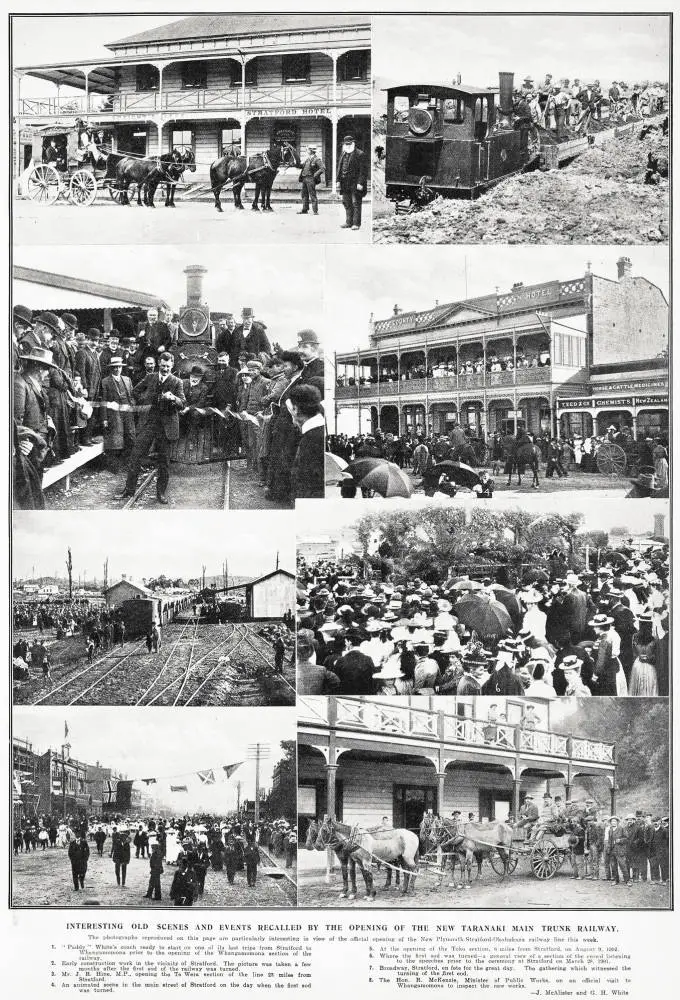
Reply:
x=146, y=172
x=169, y=172
x=261, y=169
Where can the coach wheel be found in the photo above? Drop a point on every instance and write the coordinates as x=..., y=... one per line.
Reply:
x=496, y=862
x=43, y=184
x=420, y=121
x=83, y=188
x=611, y=460
x=545, y=860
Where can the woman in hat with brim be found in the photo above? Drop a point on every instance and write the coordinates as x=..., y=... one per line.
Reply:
x=391, y=680
x=608, y=671
x=643, y=679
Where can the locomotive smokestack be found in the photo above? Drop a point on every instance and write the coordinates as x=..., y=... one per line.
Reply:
x=505, y=81
x=194, y=273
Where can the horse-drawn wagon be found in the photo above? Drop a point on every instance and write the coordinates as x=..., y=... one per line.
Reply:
x=65, y=171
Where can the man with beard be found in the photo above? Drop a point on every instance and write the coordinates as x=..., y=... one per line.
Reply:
x=352, y=181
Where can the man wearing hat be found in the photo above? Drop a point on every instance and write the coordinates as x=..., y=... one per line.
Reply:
x=528, y=816
x=310, y=175
x=352, y=181
x=163, y=400
x=251, y=334
x=88, y=367
x=504, y=680
x=310, y=350
x=196, y=395
x=253, y=389
x=155, y=333
x=49, y=332
x=22, y=326
x=117, y=415
x=32, y=426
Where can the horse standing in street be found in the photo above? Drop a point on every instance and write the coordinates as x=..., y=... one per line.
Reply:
x=261, y=169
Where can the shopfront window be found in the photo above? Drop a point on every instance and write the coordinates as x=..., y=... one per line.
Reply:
x=230, y=141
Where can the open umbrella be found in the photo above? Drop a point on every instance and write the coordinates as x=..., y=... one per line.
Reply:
x=509, y=601
x=335, y=468
x=535, y=575
x=388, y=480
x=361, y=466
x=459, y=472
x=483, y=614
x=467, y=585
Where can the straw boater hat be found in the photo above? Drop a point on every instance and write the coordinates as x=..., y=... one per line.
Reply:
x=570, y=664
x=39, y=355
x=600, y=621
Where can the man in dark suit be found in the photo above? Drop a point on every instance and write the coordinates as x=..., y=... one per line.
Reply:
x=88, y=367
x=164, y=398
x=117, y=410
x=504, y=680
x=352, y=181
x=307, y=473
x=625, y=624
x=310, y=175
x=229, y=340
x=355, y=670
x=156, y=333
x=310, y=350
x=250, y=336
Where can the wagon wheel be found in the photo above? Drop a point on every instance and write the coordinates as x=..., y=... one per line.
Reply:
x=611, y=459
x=496, y=862
x=116, y=194
x=83, y=188
x=44, y=184
x=545, y=860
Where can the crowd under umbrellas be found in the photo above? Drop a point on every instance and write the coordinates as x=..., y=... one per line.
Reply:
x=565, y=626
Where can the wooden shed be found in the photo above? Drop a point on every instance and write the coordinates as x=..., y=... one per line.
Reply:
x=271, y=596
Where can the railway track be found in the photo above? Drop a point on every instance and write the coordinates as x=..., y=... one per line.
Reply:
x=207, y=489
x=87, y=672
x=286, y=884
x=176, y=692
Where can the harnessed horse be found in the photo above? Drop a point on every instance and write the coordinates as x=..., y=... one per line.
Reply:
x=494, y=837
x=144, y=172
x=261, y=168
x=358, y=847
x=170, y=173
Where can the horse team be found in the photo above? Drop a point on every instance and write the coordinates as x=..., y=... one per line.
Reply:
x=148, y=173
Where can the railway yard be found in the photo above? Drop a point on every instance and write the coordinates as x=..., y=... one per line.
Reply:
x=600, y=197
x=197, y=664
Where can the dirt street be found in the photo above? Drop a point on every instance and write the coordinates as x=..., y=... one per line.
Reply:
x=43, y=878
x=518, y=890
x=599, y=198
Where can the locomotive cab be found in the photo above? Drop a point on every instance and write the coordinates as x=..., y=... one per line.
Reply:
x=450, y=140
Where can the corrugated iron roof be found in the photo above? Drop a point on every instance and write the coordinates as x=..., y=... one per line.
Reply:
x=230, y=25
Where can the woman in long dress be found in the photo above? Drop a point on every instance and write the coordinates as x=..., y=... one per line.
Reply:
x=172, y=847
x=643, y=679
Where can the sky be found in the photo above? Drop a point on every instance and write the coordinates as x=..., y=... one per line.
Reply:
x=145, y=743
x=141, y=544
x=283, y=285
x=599, y=516
x=618, y=47
x=360, y=282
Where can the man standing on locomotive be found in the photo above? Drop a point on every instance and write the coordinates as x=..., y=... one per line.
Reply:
x=163, y=399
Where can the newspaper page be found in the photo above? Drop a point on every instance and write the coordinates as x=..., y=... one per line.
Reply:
x=339, y=596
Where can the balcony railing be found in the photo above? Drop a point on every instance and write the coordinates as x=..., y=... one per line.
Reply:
x=224, y=98
x=406, y=721
x=448, y=383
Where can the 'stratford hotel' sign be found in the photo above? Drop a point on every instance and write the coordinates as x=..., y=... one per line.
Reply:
x=586, y=401
x=289, y=112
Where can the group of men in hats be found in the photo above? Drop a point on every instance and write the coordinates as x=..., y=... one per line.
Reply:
x=71, y=386
x=582, y=634
x=352, y=181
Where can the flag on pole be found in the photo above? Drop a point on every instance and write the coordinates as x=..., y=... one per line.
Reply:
x=207, y=777
x=109, y=792
x=230, y=768
x=178, y=788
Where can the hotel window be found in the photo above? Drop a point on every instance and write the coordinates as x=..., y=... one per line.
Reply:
x=236, y=73
x=296, y=69
x=194, y=76
x=182, y=140
x=353, y=67
x=148, y=78
x=230, y=141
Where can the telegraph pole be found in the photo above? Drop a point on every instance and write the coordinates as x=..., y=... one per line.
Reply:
x=258, y=752
x=69, y=570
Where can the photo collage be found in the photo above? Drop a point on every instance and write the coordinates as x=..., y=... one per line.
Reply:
x=341, y=527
